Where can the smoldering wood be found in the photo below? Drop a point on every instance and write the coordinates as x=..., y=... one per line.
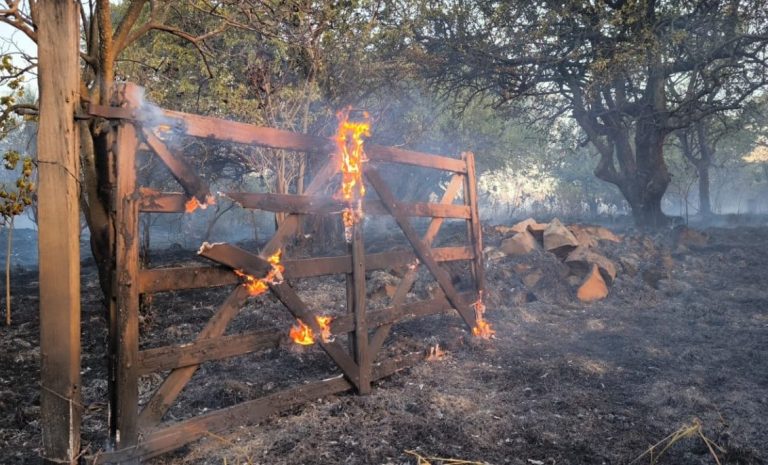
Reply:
x=236, y=258
x=182, y=171
x=475, y=230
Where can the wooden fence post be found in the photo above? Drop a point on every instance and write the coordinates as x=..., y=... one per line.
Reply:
x=127, y=281
x=59, y=229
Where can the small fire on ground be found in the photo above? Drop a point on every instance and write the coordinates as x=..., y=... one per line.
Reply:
x=349, y=141
x=193, y=204
x=303, y=334
x=257, y=286
x=482, y=328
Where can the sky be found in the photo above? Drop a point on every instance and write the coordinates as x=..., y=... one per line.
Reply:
x=14, y=41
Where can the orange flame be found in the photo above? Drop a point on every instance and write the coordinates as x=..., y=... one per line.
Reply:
x=303, y=334
x=258, y=286
x=349, y=141
x=193, y=204
x=482, y=328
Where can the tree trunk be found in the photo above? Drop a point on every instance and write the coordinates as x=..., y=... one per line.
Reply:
x=705, y=207
x=643, y=176
x=705, y=161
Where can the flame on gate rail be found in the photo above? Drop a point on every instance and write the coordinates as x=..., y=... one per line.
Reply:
x=349, y=141
x=257, y=286
x=193, y=204
x=303, y=334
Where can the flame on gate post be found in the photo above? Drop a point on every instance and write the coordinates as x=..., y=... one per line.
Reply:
x=349, y=142
x=482, y=328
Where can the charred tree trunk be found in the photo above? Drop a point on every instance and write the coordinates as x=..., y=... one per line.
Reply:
x=706, y=155
x=705, y=207
x=699, y=151
x=652, y=177
x=642, y=175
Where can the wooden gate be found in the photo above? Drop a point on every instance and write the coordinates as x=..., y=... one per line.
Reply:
x=139, y=431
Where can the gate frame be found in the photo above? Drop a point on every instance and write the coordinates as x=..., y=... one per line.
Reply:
x=139, y=435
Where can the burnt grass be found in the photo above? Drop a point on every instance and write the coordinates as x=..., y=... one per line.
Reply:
x=683, y=335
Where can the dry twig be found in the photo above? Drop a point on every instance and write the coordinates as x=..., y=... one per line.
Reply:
x=427, y=460
x=685, y=431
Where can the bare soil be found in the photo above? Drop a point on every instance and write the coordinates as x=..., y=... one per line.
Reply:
x=682, y=335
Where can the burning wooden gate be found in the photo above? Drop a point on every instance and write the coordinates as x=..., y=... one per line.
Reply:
x=139, y=431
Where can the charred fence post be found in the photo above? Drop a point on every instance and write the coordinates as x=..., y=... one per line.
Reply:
x=362, y=354
x=127, y=279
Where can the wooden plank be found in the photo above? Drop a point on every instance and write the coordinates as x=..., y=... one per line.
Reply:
x=288, y=203
x=59, y=230
x=394, y=314
x=243, y=133
x=306, y=204
x=422, y=251
x=195, y=277
x=126, y=275
x=182, y=171
x=152, y=201
x=421, y=209
x=203, y=350
x=362, y=355
x=187, y=277
x=250, y=412
x=236, y=258
x=475, y=228
x=108, y=112
x=380, y=153
x=184, y=432
x=164, y=396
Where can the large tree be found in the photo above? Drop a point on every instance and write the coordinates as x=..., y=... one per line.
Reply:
x=611, y=65
x=108, y=29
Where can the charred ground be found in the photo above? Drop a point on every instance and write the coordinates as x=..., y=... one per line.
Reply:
x=682, y=335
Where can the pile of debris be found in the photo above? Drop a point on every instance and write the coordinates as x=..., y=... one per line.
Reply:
x=575, y=245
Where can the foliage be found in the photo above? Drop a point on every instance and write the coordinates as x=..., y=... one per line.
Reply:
x=629, y=72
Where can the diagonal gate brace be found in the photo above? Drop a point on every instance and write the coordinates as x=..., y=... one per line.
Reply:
x=252, y=264
x=422, y=250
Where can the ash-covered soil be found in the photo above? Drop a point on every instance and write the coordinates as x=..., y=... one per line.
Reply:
x=683, y=335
